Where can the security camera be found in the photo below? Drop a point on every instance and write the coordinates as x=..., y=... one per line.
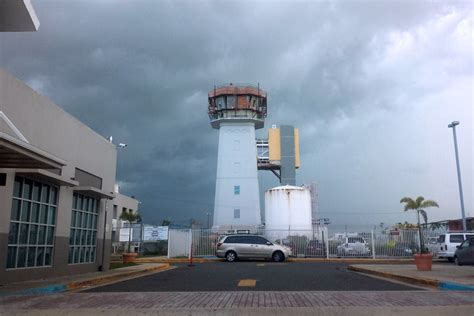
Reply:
x=122, y=145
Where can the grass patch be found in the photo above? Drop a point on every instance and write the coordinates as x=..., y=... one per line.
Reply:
x=118, y=265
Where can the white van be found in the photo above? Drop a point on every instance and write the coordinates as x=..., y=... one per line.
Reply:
x=447, y=244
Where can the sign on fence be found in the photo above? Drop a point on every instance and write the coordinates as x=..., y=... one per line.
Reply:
x=124, y=234
x=153, y=233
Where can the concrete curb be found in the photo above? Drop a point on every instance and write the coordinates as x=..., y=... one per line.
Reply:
x=354, y=260
x=402, y=278
x=76, y=285
x=450, y=286
x=105, y=279
x=447, y=286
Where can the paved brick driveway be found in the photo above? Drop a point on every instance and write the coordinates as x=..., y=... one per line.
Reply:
x=232, y=300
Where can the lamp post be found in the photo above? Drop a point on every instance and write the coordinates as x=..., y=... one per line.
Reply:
x=453, y=126
x=207, y=213
x=120, y=147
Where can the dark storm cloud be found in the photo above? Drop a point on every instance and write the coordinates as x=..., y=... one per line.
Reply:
x=346, y=74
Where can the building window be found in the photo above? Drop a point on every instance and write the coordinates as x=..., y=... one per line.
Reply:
x=115, y=212
x=83, y=237
x=236, y=189
x=220, y=103
x=236, y=212
x=231, y=101
x=32, y=224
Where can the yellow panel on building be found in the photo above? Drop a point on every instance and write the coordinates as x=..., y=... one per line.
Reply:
x=274, y=147
x=274, y=150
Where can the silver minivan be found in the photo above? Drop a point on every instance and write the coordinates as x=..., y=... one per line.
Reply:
x=233, y=247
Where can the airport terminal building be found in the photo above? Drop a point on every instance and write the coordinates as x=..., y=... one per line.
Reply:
x=57, y=180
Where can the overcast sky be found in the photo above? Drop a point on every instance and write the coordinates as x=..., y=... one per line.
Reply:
x=371, y=85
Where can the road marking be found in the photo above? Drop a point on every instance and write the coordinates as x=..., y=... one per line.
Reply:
x=260, y=264
x=247, y=282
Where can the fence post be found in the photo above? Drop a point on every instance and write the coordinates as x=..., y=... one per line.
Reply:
x=419, y=241
x=190, y=248
x=373, y=243
x=327, y=242
x=169, y=243
x=142, y=232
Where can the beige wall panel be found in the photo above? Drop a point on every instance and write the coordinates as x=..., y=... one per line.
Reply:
x=274, y=150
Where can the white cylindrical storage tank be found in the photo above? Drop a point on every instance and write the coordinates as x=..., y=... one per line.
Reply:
x=288, y=208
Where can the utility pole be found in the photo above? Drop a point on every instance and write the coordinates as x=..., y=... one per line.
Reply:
x=453, y=126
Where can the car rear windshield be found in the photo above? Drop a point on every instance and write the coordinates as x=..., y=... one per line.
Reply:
x=456, y=238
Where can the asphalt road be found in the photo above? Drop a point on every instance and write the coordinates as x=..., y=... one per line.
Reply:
x=266, y=276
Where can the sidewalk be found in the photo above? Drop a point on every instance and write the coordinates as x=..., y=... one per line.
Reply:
x=442, y=276
x=429, y=303
x=79, y=281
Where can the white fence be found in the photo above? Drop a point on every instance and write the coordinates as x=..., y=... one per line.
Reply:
x=320, y=242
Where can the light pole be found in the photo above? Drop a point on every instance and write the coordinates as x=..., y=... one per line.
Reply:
x=120, y=147
x=207, y=213
x=453, y=126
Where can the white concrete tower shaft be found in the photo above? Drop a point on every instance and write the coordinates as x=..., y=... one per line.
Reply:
x=237, y=201
x=237, y=111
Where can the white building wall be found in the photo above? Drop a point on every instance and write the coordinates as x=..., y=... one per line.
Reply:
x=236, y=166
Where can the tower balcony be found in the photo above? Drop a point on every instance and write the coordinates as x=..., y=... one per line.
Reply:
x=237, y=103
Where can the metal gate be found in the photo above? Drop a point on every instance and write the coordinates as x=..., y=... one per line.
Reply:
x=179, y=242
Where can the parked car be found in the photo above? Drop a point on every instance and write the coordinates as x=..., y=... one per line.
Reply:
x=315, y=248
x=464, y=253
x=234, y=247
x=353, y=246
x=403, y=249
x=447, y=244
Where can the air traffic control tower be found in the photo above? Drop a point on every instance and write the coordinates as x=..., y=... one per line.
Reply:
x=236, y=111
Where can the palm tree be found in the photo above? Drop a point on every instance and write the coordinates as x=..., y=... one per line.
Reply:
x=419, y=205
x=130, y=217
